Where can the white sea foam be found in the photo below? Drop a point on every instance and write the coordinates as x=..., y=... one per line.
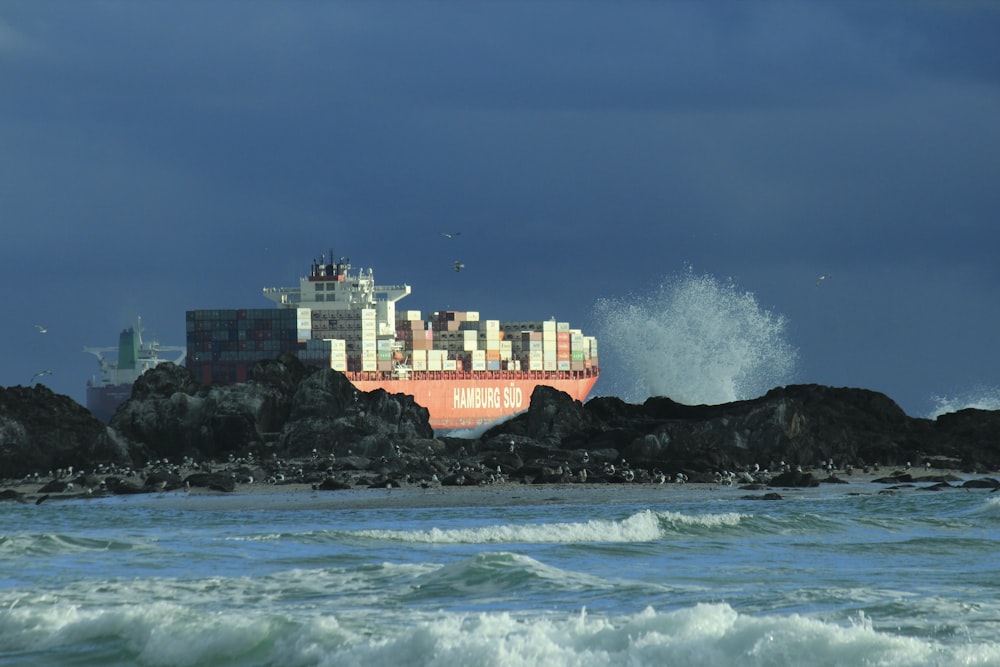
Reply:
x=164, y=634
x=980, y=397
x=695, y=340
x=498, y=573
x=644, y=526
x=991, y=507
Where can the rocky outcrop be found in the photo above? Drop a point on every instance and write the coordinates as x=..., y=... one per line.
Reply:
x=170, y=415
x=43, y=431
x=798, y=425
x=329, y=415
x=284, y=409
x=291, y=423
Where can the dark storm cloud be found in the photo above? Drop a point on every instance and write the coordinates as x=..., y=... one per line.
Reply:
x=186, y=154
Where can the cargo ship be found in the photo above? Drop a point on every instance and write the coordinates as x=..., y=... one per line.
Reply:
x=467, y=371
x=133, y=357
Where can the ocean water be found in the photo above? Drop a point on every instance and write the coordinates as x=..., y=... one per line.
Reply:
x=673, y=575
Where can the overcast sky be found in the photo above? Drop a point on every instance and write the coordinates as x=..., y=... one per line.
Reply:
x=157, y=157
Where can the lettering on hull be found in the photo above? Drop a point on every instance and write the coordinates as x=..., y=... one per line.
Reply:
x=487, y=398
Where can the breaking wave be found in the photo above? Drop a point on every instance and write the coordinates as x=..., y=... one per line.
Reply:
x=644, y=526
x=695, y=340
x=166, y=634
x=980, y=397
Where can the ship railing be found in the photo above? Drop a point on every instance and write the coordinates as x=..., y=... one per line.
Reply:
x=475, y=375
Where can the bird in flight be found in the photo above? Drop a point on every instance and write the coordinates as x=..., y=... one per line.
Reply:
x=40, y=328
x=822, y=278
x=40, y=374
x=459, y=266
x=450, y=235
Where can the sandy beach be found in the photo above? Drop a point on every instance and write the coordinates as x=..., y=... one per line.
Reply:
x=303, y=496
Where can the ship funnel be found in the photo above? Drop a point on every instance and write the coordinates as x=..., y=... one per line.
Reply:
x=128, y=349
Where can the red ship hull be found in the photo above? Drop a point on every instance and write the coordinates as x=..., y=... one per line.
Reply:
x=467, y=400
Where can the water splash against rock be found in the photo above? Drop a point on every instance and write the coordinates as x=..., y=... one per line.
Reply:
x=980, y=397
x=694, y=339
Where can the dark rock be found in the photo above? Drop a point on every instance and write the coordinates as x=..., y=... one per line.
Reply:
x=896, y=478
x=330, y=484
x=42, y=431
x=286, y=410
x=802, y=425
x=121, y=486
x=210, y=480
x=11, y=494
x=55, y=486
x=766, y=496
x=794, y=478
x=986, y=483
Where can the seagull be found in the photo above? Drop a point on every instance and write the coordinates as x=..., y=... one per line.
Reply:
x=40, y=328
x=451, y=235
x=459, y=266
x=822, y=278
x=40, y=374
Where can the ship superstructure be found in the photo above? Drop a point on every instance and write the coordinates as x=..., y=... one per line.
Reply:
x=133, y=356
x=467, y=371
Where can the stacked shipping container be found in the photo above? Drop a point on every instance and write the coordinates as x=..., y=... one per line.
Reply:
x=223, y=344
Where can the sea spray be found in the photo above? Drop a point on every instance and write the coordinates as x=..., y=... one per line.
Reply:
x=980, y=397
x=694, y=339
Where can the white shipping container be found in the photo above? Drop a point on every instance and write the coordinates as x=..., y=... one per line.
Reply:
x=548, y=326
x=471, y=341
x=478, y=365
x=449, y=365
x=562, y=326
x=419, y=364
x=549, y=364
x=562, y=365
